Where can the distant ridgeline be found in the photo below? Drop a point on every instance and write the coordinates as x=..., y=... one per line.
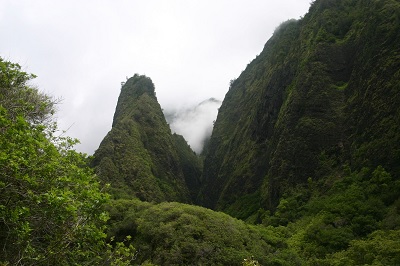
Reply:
x=321, y=100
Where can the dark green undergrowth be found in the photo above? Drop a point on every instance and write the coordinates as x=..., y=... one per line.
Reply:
x=355, y=221
x=330, y=228
x=173, y=233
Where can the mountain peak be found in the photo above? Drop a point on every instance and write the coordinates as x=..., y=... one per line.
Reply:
x=131, y=91
x=140, y=157
x=138, y=85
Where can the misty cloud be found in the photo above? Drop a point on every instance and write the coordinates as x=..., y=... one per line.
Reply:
x=194, y=123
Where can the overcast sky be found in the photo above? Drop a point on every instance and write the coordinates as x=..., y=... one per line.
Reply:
x=81, y=50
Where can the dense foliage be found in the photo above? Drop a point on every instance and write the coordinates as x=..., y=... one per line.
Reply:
x=21, y=99
x=181, y=234
x=139, y=156
x=324, y=93
x=332, y=227
x=306, y=145
x=50, y=204
x=355, y=222
x=50, y=200
x=305, y=151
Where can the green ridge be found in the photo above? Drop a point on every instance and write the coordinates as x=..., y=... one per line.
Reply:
x=139, y=157
x=324, y=93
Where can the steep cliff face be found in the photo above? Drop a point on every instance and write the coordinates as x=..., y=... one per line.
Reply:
x=139, y=157
x=324, y=93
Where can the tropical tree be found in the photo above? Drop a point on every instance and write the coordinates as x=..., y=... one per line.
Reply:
x=50, y=200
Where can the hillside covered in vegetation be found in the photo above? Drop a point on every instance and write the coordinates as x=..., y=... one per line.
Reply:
x=140, y=156
x=322, y=97
x=302, y=167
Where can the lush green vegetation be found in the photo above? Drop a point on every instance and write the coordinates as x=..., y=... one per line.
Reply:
x=50, y=201
x=305, y=152
x=180, y=234
x=331, y=227
x=323, y=93
x=191, y=165
x=355, y=222
x=305, y=145
x=139, y=156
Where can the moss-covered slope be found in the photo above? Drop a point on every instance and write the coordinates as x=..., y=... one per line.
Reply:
x=139, y=157
x=323, y=93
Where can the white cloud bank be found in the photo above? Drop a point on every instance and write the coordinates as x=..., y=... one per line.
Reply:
x=194, y=123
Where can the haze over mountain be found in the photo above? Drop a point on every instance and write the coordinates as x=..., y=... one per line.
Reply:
x=194, y=123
